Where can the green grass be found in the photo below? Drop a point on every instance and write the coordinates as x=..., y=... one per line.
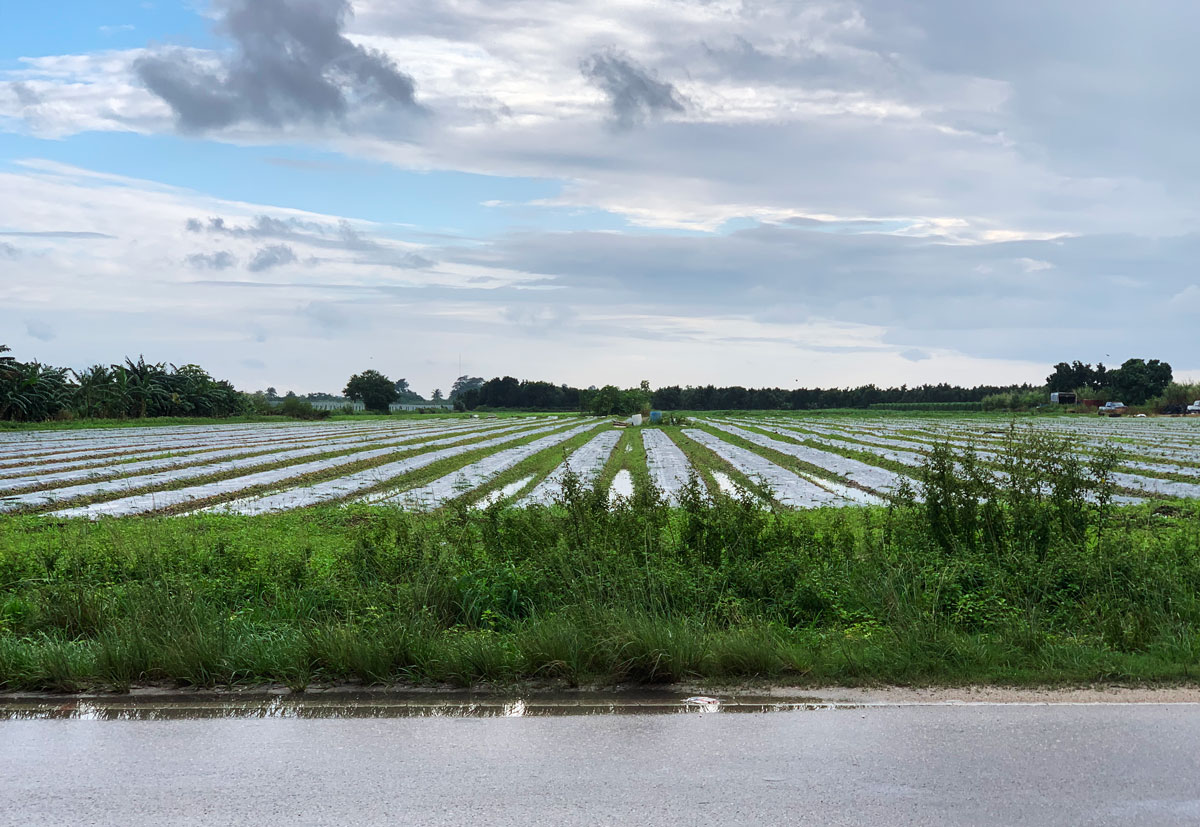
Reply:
x=970, y=586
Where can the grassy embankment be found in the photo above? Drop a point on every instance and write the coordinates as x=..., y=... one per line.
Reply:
x=1029, y=584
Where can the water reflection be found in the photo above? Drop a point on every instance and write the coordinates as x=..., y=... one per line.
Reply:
x=346, y=705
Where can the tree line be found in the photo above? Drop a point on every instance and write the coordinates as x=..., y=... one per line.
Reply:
x=510, y=393
x=34, y=392
x=1135, y=382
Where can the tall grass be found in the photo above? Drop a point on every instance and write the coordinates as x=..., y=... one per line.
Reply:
x=1031, y=575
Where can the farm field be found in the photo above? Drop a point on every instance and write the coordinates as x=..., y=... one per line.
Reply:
x=729, y=547
x=782, y=459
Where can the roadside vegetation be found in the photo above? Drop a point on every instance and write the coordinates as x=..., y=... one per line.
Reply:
x=959, y=579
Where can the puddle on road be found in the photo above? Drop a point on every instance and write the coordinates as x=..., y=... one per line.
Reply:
x=347, y=705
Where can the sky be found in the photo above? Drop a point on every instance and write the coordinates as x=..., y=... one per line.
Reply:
x=825, y=193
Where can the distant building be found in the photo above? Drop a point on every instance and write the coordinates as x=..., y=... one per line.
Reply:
x=1062, y=398
x=336, y=404
x=412, y=406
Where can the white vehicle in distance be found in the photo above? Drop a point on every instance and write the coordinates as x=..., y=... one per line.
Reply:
x=1194, y=407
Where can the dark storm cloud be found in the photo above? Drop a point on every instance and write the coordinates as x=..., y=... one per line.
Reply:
x=290, y=63
x=271, y=256
x=634, y=94
x=220, y=260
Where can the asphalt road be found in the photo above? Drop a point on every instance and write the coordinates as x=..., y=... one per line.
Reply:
x=1003, y=765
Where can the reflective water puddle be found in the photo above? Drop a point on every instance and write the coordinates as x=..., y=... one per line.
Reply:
x=382, y=705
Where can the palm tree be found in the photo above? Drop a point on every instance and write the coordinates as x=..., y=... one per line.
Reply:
x=147, y=388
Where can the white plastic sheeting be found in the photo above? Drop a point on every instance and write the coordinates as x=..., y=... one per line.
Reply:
x=203, y=463
x=478, y=473
x=868, y=476
x=668, y=466
x=586, y=463
x=158, y=500
x=727, y=485
x=787, y=487
x=352, y=484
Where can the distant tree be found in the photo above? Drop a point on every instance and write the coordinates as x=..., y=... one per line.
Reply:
x=373, y=389
x=272, y=393
x=1138, y=380
x=437, y=395
x=668, y=398
x=463, y=384
x=406, y=394
x=606, y=401
x=1068, y=377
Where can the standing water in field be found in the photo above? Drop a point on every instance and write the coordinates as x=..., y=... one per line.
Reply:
x=501, y=494
x=621, y=487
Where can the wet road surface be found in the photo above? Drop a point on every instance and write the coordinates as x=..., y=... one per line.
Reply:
x=921, y=764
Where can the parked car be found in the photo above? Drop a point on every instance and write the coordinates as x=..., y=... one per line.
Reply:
x=1113, y=409
x=1194, y=407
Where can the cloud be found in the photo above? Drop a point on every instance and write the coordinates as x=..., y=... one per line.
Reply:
x=540, y=319
x=330, y=317
x=263, y=226
x=291, y=63
x=39, y=330
x=219, y=260
x=634, y=94
x=843, y=108
x=914, y=354
x=25, y=94
x=1186, y=301
x=54, y=234
x=274, y=255
x=340, y=235
x=8, y=251
x=1033, y=265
